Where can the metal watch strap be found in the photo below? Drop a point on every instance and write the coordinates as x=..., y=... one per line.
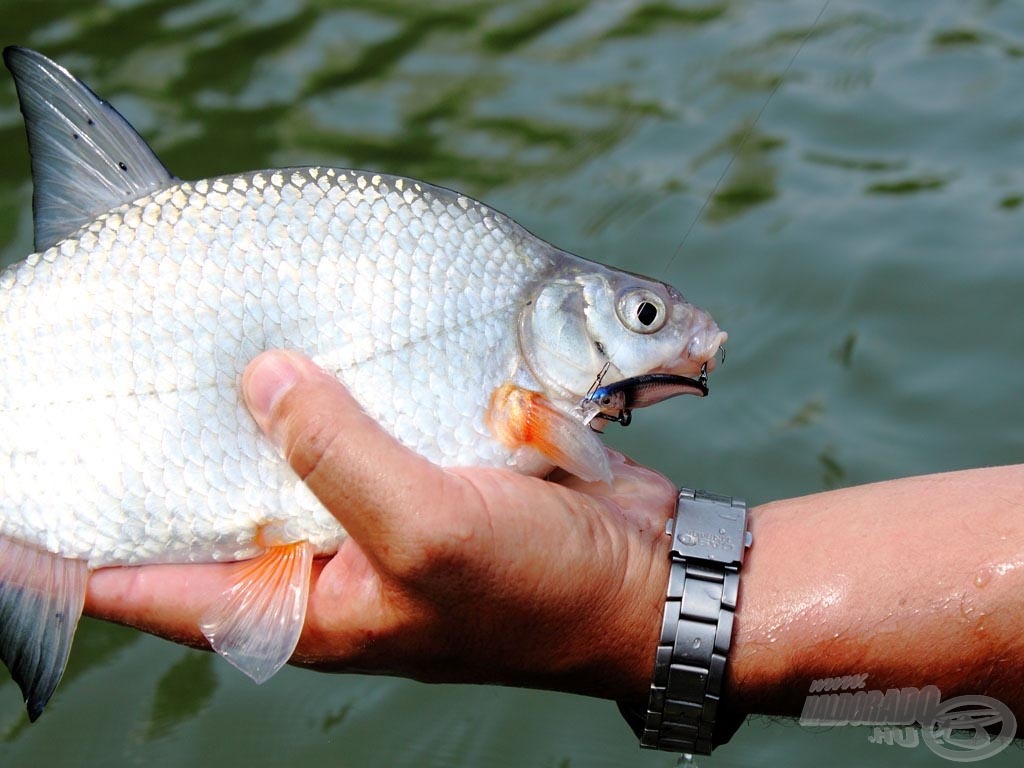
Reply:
x=709, y=536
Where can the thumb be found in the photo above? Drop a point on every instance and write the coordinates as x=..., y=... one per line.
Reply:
x=368, y=480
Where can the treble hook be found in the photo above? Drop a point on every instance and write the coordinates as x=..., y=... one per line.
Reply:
x=624, y=418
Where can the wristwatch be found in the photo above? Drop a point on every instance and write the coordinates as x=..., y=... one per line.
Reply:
x=709, y=537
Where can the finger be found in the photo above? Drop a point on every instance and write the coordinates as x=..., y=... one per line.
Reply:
x=373, y=484
x=165, y=600
x=170, y=600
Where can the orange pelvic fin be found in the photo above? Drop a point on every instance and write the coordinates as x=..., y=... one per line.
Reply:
x=41, y=599
x=523, y=418
x=256, y=623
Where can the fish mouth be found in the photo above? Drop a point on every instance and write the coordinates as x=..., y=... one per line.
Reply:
x=688, y=375
x=700, y=357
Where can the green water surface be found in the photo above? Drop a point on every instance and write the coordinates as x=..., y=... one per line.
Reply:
x=863, y=250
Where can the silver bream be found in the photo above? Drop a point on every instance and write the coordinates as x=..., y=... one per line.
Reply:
x=123, y=437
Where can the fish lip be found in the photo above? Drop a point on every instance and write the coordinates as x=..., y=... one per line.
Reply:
x=700, y=355
x=703, y=347
x=686, y=369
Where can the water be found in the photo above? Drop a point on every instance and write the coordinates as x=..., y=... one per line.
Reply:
x=863, y=251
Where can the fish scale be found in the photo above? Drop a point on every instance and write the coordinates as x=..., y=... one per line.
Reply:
x=170, y=331
x=124, y=439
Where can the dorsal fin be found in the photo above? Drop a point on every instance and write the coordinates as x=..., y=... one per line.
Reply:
x=86, y=158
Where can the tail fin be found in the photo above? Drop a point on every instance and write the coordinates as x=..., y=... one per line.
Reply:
x=41, y=599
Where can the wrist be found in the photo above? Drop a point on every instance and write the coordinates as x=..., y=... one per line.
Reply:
x=615, y=649
x=758, y=667
x=645, y=626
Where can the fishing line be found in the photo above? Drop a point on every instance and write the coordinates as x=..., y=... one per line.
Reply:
x=746, y=136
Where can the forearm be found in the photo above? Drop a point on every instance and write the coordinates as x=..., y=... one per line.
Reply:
x=913, y=582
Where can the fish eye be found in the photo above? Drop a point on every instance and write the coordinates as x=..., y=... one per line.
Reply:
x=642, y=310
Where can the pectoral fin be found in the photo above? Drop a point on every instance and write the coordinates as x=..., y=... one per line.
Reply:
x=41, y=599
x=523, y=418
x=256, y=623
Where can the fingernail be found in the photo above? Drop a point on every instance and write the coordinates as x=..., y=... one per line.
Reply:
x=269, y=379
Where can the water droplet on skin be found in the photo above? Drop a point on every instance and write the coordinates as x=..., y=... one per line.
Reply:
x=983, y=578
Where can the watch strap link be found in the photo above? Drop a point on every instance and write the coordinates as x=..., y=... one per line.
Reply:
x=696, y=629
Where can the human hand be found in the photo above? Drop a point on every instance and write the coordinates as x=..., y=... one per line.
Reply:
x=448, y=575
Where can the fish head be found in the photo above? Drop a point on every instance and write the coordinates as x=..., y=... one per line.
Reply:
x=623, y=324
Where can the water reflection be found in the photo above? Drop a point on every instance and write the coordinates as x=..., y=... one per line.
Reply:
x=907, y=186
x=868, y=164
x=181, y=694
x=656, y=17
x=833, y=474
x=967, y=36
x=335, y=718
x=750, y=179
x=527, y=21
x=96, y=643
x=843, y=352
x=808, y=413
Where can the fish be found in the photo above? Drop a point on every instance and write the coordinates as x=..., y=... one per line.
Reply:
x=124, y=439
